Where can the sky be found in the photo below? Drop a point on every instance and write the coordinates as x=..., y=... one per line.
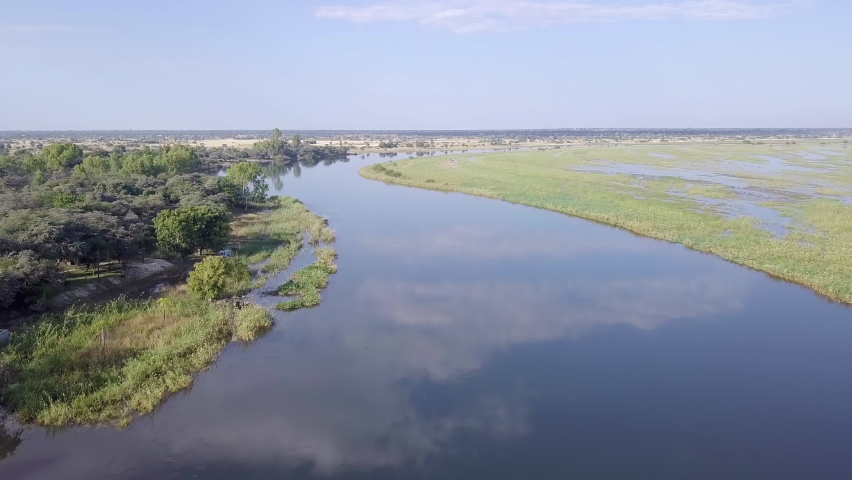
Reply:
x=434, y=64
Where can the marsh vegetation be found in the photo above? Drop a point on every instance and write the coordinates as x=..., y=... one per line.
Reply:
x=782, y=208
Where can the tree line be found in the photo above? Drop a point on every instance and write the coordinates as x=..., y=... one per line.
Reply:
x=279, y=149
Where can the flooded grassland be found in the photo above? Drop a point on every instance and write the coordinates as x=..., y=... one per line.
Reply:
x=783, y=208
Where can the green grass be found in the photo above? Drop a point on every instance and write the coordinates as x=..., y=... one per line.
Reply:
x=273, y=237
x=305, y=284
x=711, y=191
x=816, y=251
x=113, y=362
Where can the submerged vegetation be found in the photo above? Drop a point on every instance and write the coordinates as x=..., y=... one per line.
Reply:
x=783, y=209
x=306, y=283
x=271, y=238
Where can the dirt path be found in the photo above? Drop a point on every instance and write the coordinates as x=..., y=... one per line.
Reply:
x=143, y=287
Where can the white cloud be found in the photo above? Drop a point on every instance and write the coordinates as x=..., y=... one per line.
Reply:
x=465, y=16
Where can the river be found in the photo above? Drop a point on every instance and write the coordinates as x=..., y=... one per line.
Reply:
x=468, y=338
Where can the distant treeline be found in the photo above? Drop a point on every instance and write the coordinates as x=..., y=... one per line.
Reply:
x=278, y=149
x=144, y=136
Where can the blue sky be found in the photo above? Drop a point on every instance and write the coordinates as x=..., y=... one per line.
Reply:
x=437, y=64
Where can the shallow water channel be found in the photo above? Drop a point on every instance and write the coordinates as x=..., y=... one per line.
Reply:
x=467, y=338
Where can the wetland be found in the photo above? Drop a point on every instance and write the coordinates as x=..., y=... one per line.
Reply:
x=465, y=337
x=782, y=208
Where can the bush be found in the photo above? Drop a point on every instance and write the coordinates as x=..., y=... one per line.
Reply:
x=250, y=322
x=26, y=280
x=186, y=229
x=215, y=276
x=386, y=171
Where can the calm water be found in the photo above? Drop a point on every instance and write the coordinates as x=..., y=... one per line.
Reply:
x=467, y=338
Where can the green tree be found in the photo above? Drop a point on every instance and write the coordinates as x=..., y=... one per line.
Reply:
x=142, y=240
x=93, y=166
x=250, y=180
x=179, y=159
x=213, y=230
x=8, y=165
x=232, y=192
x=185, y=229
x=209, y=277
x=60, y=155
x=275, y=142
x=296, y=141
x=213, y=276
x=38, y=178
x=142, y=162
x=33, y=164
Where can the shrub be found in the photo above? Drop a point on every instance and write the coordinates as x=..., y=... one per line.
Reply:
x=250, y=322
x=386, y=171
x=214, y=276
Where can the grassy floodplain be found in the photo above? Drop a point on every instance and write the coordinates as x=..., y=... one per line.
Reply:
x=270, y=238
x=782, y=207
x=108, y=364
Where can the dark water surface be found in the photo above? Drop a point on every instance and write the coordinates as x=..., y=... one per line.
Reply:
x=466, y=338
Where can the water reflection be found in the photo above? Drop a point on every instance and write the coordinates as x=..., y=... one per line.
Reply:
x=277, y=171
x=475, y=317
x=10, y=436
x=468, y=338
x=343, y=395
x=467, y=241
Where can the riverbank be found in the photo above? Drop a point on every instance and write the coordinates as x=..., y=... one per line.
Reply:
x=107, y=364
x=267, y=240
x=782, y=208
x=116, y=361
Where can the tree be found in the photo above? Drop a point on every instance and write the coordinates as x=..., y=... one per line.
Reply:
x=142, y=240
x=214, y=228
x=142, y=162
x=232, y=192
x=275, y=142
x=38, y=178
x=250, y=180
x=179, y=159
x=211, y=277
x=26, y=279
x=296, y=141
x=100, y=249
x=61, y=155
x=93, y=165
x=10, y=285
x=185, y=229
